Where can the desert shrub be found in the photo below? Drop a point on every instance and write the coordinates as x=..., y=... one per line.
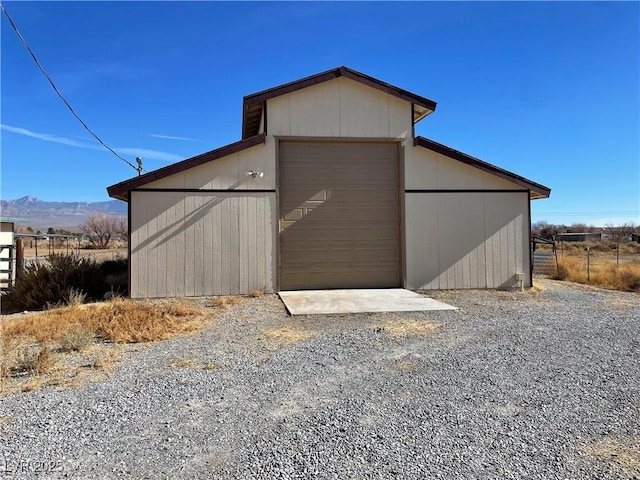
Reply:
x=115, y=275
x=32, y=360
x=76, y=340
x=59, y=280
x=76, y=297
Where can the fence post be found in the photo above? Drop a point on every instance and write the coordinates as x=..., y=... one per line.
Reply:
x=588, y=267
x=19, y=257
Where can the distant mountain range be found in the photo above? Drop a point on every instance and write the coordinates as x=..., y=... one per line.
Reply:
x=40, y=215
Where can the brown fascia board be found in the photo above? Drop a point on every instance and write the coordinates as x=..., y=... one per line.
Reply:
x=261, y=97
x=541, y=190
x=121, y=190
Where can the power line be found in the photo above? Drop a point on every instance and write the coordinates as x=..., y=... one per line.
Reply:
x=24, y=42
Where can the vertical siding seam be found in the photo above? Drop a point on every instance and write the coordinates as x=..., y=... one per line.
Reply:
x=486, y=240
x=438, y=253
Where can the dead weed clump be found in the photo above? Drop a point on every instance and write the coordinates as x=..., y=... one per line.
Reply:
x=126, y=321
x=30, y=359
x=224, y=302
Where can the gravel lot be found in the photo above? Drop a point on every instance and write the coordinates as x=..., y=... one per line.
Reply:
x=513, y=385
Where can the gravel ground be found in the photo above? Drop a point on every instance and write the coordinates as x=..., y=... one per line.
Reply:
x=512, y=385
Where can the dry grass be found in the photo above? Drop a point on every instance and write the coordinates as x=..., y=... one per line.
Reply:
x=623, y=455
x=224, y=302
x=607, y=274
x=405, y=364
x=211, y=365
x=76, y=340
x=288, y=335
x=189, y=362
x=537, y=289
x=183, y=362
x=256, y=293
x=29, y=359
x=118, y=320
x=398, y=327
x=31, y=346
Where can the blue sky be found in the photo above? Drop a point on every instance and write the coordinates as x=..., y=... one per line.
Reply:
x=550, y=91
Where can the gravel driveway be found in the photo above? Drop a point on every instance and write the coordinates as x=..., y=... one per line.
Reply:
x=512, y=385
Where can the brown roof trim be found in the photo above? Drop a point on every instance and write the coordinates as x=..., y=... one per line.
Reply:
x=253, y=104
x=120, y=190
x=541, y=190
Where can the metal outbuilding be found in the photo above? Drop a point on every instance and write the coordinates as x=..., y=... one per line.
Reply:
x=328, y=188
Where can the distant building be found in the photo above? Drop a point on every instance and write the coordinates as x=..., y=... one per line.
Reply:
x=580, y=237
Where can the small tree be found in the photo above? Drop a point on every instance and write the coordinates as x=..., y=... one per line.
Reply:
x=122, y=229
x=100, y=228
x=619, y=233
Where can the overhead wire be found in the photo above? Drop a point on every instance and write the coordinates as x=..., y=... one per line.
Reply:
x=35, y=59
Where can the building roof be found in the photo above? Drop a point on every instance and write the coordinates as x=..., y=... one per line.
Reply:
x=537, y=190
x=253, y=105
x=120, y=190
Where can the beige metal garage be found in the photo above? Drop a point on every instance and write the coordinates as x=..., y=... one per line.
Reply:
x=328, y=188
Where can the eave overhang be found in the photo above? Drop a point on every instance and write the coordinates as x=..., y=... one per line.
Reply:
x=536, y=190
x=121, y=190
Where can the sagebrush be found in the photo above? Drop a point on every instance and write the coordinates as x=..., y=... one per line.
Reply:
x=60, y=280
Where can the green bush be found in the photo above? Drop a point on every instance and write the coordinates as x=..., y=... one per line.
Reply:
x=56, y=281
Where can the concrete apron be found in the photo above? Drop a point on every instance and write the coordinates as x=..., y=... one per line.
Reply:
x=312, y=302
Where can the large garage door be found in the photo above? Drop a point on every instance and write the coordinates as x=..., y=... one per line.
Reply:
x=339, y=215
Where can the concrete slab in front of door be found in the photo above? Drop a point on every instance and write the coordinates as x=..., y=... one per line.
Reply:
x=311, y=302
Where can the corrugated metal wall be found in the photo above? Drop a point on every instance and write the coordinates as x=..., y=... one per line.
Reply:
x=466, y=239
x=202, y=243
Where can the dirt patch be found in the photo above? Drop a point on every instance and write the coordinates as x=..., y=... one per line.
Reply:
x=398, y=327
x=622, y=454
x=405, y=364
x=288, y=335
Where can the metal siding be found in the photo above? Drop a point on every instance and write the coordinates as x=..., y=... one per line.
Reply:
x=195, y=244
x=339, y=108
x=339, y=215
x=466, y=239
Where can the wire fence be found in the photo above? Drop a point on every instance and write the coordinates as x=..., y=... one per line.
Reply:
x=100, y=256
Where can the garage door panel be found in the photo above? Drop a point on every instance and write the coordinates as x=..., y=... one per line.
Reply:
x=339, y=215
